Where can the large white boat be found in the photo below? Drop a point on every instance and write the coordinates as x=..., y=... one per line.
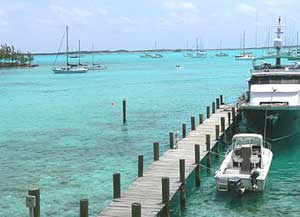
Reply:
x=246, y=166
x=69, y=68
x=272, y=104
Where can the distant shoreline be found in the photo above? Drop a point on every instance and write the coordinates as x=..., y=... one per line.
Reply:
x=153, y=50
x=13, y=65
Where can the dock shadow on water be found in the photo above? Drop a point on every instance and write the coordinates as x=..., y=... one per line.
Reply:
x=280, y=198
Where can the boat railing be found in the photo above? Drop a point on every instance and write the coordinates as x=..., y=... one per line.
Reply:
x=267, y=144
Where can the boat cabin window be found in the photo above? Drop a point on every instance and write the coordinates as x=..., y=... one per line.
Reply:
x=275, y=80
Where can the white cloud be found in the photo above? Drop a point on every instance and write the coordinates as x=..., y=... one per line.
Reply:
x=246, y=9
x=174, y=5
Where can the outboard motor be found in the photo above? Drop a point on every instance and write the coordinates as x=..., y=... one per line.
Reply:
x=253, y=177
x=236, y=185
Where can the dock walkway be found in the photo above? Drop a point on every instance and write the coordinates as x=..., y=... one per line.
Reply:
x=147, y=190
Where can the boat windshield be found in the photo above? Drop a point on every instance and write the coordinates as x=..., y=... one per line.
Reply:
x=242, y=141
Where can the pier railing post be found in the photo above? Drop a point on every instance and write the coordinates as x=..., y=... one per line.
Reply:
x=124, y=111
x=182, y=180
x=217, y=139
x=223, y=129
x=171, y=139
x=208, y=152
x=221, y=100
x=213, y=107
x=117, y=185
x=35, y=192
x=165, y=181
x=155, y=151
x=218, y=103
x=84, y=208
x=229, y=125
x=183, y=130
x=233, y=120
x=136, y=210
x=207, y=112
x=200, y=118
x=193, y=123
x=197, y=162
x=140, y=165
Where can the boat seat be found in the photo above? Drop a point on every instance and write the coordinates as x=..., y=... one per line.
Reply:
x=246, y=166
x=236, y=157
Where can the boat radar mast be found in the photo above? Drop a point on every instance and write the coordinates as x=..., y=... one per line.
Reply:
x=278, y=42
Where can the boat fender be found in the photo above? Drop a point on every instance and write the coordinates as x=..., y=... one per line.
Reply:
x=253, y=177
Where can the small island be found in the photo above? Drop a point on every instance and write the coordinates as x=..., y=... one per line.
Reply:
x=10, y=57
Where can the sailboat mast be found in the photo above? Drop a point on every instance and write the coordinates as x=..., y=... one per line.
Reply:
x=92, y=54
x=297, y=39
x=67, y=45
x=78, y=52
x=268, y=41
x=244, y=39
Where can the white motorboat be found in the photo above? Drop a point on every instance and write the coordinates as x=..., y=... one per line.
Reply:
x=244, y=56
x=246, y=166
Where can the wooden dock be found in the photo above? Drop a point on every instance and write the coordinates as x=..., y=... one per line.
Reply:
x=147, y=190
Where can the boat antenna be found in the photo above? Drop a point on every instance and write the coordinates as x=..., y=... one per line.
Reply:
x=79, y=52
x=278, y=42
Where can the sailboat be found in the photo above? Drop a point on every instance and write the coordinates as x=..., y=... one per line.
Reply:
x=199, y=53
x=95, y=66
x=69, y=68
x=188, y=54
x=295, y=55
x=270, y=53
x=244, y=55
x=221, y=53
x=156, y=55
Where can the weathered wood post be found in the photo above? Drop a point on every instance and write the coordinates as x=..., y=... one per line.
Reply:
x=171, y=139
x=182, y=180
x=193, y=123
x=136, y=210
x=213, y=107
x=197, y=162
x=223, y=129
x=155, y=151
x=217, y=138
x=218, y=103
x=84, y=208
x=233, y=120
x=183, y=130
x=208, y=152
x=36, y=193
x=124, y=111
x=221, y=100
x=229, y=126
x=140, y=165
x=117, y=185
x=165, y=181
x=207, y=112
x=200, y=118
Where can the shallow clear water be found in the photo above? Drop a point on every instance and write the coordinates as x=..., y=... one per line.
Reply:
x=63, y=134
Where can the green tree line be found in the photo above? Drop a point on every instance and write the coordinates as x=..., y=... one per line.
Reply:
x=10, y=56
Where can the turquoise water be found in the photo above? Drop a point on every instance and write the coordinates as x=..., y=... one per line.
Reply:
x=63, y=134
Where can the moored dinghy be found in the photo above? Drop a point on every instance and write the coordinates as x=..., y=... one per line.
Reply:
x=246, y=166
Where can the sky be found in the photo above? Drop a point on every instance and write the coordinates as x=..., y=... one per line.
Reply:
x=38, y=25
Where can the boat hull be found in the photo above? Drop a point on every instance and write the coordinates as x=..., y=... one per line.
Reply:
x=70, y=71
x=281, y=122
x=261, y=184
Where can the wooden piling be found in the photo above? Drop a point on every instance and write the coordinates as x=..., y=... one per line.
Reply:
x=165, y=181
x=171, y=139
x=222, y=124
x=229, y=129
x=140, y=165
x=193, y=123
x=117, y=185
x=183, y=130
x=124, y=111
x=208, y=164
x=213, y=107
x=221, y=100
x=207, y=112
x=155, y=151
x=182, y=180
x=200, y=118
x=233, y=120
x=197, y=162
x=218, y=103
x=35, y=192
x=217, y=139
x=84, y=208
x=136, y=210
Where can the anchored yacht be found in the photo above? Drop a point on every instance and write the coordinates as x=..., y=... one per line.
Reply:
x=272, y=104
x=246, y=166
